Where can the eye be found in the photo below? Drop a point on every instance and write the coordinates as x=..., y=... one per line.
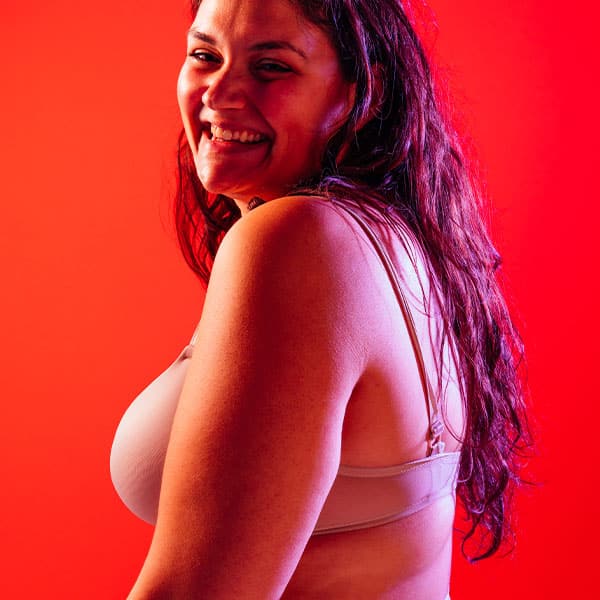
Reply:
x=202, y=56
x=271, y=67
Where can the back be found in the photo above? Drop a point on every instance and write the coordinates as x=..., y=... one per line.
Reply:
x=386, y=423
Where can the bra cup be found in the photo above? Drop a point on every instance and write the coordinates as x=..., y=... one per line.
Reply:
x=139, y=447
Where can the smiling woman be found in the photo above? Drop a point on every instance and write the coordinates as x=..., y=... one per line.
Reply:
x=235, y=92
x=354, y=367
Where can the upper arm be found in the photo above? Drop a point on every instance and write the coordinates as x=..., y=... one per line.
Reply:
x=255, y=443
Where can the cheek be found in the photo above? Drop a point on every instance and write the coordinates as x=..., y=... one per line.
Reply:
x=189, y=92
x=329, y=108
x=183, y=91
x=189, y=100
x=323, y=122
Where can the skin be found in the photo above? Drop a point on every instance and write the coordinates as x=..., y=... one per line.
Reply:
x=302, y=358
x=296, y=99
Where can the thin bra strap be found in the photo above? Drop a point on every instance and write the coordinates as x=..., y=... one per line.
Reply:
x=436, y=424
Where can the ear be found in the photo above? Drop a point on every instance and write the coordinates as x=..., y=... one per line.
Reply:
x=378, y=91
x=374, y=108
x=348, y=101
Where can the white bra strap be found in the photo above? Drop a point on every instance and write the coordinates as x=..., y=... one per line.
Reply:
x=436, y=424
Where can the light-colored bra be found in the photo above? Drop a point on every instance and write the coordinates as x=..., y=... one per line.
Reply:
x=360, y=497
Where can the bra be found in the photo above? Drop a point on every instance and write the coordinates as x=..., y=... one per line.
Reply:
x=360, y=497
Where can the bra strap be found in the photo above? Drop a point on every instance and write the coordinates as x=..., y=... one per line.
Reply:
x=436, y=424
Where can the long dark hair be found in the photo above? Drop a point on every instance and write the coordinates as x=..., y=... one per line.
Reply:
x=398, y=150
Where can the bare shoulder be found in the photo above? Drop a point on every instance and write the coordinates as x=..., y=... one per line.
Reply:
x=291, y=262
x=292, y=243
x=295, y=223
x=311, y=253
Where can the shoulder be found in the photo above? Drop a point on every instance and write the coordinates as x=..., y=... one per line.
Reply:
x=291, y=235
x=290, y=266
x=286, y=220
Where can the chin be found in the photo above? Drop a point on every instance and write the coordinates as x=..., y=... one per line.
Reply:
x=217, y=185
x=234, y=192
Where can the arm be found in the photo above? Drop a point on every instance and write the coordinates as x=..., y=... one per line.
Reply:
x=255, y=443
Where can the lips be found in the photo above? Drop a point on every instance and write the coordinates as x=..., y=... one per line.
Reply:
x=243, y=136
x=216, y=148
x=233, y=133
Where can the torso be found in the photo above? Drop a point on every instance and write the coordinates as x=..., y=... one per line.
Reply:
x=385, y=423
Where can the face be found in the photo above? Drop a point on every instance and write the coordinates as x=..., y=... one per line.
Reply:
x=261, y=92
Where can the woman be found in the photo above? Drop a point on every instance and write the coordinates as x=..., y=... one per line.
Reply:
x=355, y=361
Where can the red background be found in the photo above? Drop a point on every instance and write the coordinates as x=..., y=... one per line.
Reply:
x=96, y=300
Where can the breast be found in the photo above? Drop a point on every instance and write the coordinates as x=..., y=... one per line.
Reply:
x=140, y=443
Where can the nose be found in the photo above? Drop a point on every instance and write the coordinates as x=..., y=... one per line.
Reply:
x=225, y=90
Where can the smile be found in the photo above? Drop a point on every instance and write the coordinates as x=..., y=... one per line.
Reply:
x=241, y=136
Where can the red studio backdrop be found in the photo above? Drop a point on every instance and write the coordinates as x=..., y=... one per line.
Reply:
x=97, y=301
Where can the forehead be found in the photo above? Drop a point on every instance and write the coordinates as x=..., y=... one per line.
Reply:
x=245, y=20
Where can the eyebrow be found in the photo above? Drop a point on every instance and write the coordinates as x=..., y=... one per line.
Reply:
x=267, y=45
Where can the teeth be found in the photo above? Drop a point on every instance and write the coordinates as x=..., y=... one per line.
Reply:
x=228, y=135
